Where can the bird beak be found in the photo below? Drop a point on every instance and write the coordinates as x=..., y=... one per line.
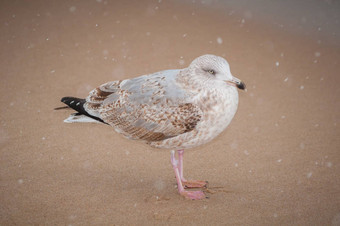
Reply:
x=237, y=83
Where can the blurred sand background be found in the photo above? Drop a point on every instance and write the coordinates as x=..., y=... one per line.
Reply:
x=278, y=163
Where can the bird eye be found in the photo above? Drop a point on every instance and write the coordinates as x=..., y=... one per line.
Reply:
x=211, y=72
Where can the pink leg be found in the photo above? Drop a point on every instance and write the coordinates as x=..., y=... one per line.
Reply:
x=180, y=167
x=186, y=183
x=194, y=195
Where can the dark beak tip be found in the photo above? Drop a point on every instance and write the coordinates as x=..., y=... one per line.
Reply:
x=241, y=86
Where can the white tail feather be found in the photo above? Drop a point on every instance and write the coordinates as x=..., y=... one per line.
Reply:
x=80, y=118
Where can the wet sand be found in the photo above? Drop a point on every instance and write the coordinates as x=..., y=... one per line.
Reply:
x=276, y=164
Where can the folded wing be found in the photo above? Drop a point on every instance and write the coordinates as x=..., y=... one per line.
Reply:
x=149, y=108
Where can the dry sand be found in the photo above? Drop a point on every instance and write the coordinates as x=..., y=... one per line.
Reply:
x=278, y=163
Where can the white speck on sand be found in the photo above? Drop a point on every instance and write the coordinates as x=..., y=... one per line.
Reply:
x=184, y=35
x=30, y=46
x=286, y=79
x=277, y=63
x=43, y=138
x=72, y=9
x=52, y=71
x=233, y=145
x=236, y=164
x=275, y=215
x=20, y=181
x=302, y=87
x=279, y=160
x=329, y=164
x=219, y=40
x=309, y=175
x=283, y=117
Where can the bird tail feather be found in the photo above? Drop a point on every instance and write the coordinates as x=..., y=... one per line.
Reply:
x=77, y=104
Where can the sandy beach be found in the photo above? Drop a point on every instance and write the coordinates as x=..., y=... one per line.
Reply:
x=278, y=163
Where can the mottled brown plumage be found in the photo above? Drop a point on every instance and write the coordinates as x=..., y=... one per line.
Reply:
x=155, y=120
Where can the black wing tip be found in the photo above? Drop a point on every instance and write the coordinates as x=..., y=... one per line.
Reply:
x=72, y=101
x=69, y=99
x=77, y=104
x=64, y=99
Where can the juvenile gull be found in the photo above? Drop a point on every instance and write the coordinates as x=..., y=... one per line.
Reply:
x=172, y=109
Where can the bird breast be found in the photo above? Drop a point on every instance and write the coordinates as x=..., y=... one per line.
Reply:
x=218, y=107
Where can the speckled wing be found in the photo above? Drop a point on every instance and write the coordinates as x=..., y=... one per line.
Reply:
x=151, y=107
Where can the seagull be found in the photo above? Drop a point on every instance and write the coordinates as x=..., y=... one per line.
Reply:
x=173, y=109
